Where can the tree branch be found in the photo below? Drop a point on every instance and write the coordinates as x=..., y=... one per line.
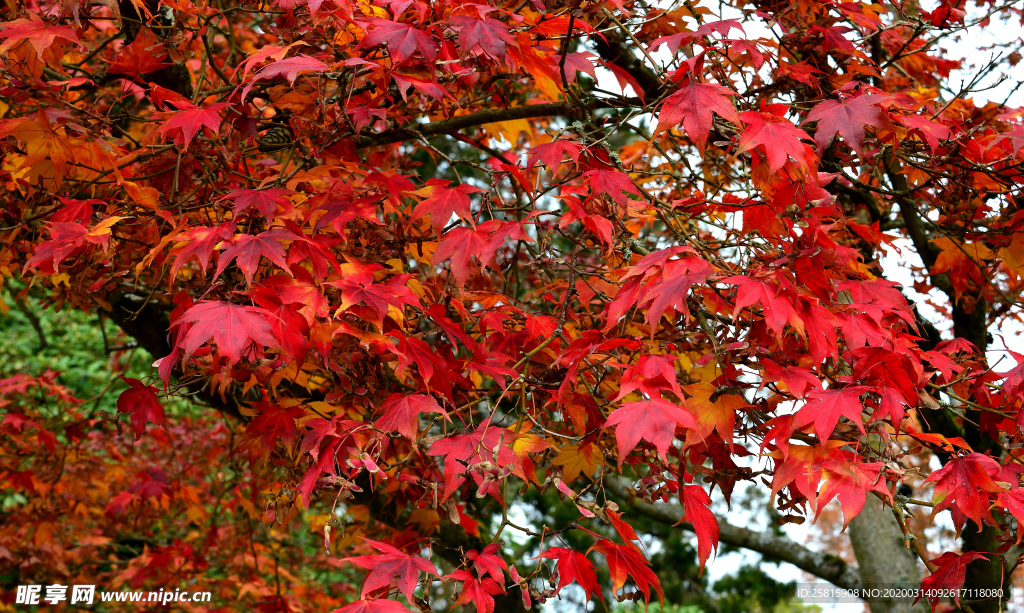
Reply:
x=911, y=219
x=824, y=565
x=149, y=328
x=612, y=48
x=462, y=122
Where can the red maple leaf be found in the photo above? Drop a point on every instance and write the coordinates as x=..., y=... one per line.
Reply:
x=888, y=369
x=66, y=239
x=391, y=564
x=429, y=87
x=846, y=117
x=653, y=420
x=598, y=224
x=692, y=105
x=233, y=328
x=316, y=249
x=797, y=380
x=487, y=563
x=931, y=131
x=185, y=123
x=651, y=375
x=825, y=407
x=464, y=450
x=480, y=592
x=574, y=566
x=671, y=291
x=290, y=68
x=774, y=136
x=801, y=72
x=146, y=54
x=338, y=213
x=380, y=605
x=552, y=153
x=265, y=201
x=199, y=243
x=776, y=302
x=624, y=562
x=833, y=39
x=613, y=184
x=299, y=290
x=394, y=184
x=948, y=577
x=461, y=244
x=273, y=423
x=850, y=482
x=626, y=531
x=402, y=39
x=140, y=401
x=37, y=32
x=965, y=483
x=358, y=286
x=246, y=250
x=1013, y=501
x=442, y=201
x=490, y=35
x=674, y=41
x=412, y=350
x=401, y=412
x=696, y=506
x=646, y=288
x=802, y=467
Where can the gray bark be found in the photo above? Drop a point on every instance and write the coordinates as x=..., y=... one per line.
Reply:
x=820, y=564
x=883, y=559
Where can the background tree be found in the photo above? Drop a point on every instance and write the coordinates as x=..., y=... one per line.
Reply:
x=407, y=269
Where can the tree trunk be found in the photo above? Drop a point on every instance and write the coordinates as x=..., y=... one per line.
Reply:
x=883, y=560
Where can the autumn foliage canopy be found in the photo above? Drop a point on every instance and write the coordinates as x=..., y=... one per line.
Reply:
x=399, y=264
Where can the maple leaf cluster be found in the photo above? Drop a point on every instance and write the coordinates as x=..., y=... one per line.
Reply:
x=421, y=258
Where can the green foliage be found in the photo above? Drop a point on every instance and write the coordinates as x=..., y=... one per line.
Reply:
x=87, y=355
x=752, y=590
x=655, y=607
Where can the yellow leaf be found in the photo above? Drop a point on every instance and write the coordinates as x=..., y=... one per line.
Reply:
x=574, y=461
x=1013, y=256
x=963, y=261
x=100, y=233
x=509, y=130
x=148, y=197
x=711, y=415
x=157, y=250
x=43, y=142
x=317, y=522
x=248, y=506
x=427, y=520
x=529, y=443
x=196, y=514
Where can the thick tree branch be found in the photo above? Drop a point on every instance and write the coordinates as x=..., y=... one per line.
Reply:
x=611, y=48
x=911, y=219
x=824, y=565
x=147, y=323
x=462, y=122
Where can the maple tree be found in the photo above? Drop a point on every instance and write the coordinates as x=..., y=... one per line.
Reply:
x=403, y=267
